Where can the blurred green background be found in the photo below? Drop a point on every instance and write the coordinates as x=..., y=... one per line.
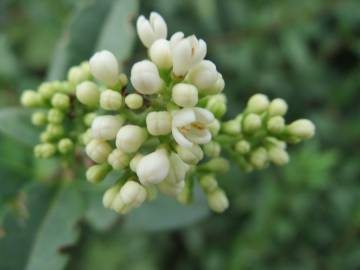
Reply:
x=305, y=215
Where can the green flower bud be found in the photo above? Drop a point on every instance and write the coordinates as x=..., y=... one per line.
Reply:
x=216, y=165
x=302, y=129
x=45, y=137
x=208, y=183
x=38, y=119
x=158, y=123
x=257, y=104
x=86, y=137
x=45, y=150
x=242, y=147
x=252, y=123
x=191, y=155
x=212, y=149
x=134, y=101
x=97, y=173
x=110, y=100
x=65, y=146
x=98, y=150
x=77, y=75
x=231, y=127
x=46, y=90
x=217, y=105
x=214, y=127
x=60, y=101
x=278, y=107
x=30, y=98
x=185, y=95
x=55, y=116
x=110, y=195
x=55, y=131
x=118, y=159
x=259, y=158
x=186, y=195
x=88, y=94
x=278, y=155
x=276, y=124
x=89, y=118
x=218, y=201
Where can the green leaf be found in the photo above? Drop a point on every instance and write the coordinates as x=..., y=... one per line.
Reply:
x=15, y=123
x=98, y=24
x=39, y=241
x=165, y=213
x=118, y=34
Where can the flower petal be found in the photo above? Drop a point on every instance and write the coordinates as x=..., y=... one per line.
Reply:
x=203, y=116
x=180, y=138
x=183, y=117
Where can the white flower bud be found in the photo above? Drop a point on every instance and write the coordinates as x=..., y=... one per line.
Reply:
x=110, y=100
x=278, y=155
x=130, y=138
x=158, y=123
x=218, y=201
x=252, y=123
x=172, y=189
x=185, y=95
x=259, y=158
x=204, y=75
x=134, y=101
x=88, y=93
x=302, y=128
x=276, y=124
x=186, y=53
x=132, y=194
x=258, y=103
x=153, y=168
x=97, y=173
x=217, y=105
x=145, y=77
x=151, y=30
x=77, y=75
x=191, y=155
x=98, y=150
x=135, y=161
x=106, y=127
x=277, y=107
x=118, y=159
x=109, y=196
x=217, y=88
x=104, y=67
x=160, y=54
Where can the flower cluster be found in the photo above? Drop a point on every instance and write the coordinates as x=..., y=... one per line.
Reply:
x=163, y=132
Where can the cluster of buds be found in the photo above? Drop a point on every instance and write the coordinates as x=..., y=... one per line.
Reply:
x=260, y=135
x=58, y=111
x=163, y=131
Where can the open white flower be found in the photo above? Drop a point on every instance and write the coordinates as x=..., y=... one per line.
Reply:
x=152, y=29
x=186, y=52
x=145, y=77
x=190, y=125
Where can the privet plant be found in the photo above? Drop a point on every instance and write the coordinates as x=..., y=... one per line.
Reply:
x=163, y=130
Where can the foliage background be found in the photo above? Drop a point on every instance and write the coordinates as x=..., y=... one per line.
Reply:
x=303, y=216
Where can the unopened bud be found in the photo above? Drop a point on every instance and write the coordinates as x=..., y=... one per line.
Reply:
x=212, y=149
x=55, y=116
x=208, y=183
x=60, y=101
x=135, y=161
x=98, y=150
x=276, y=124
x=110, y=195
x=97, y=173
x=45, y=150
x=77, y=75
x=216, y=165
x=130, y=137
x=65, y=146
x=89, y=118
x=46, y=90
x=145, y=78
x=242, y=147
x=158, y=123
x=302, y=129
x=252, y=123
x=160, y=54
x=218, y=201
x=185, y=95
x=231, y=127
x=104, y=67
x=105, y=127
x=118, y=159
x=258, y=103
x=217, y=105
x=88, y=94
x=217, y=88
x=278, y=155
x=191, y=155
x=278, y=107
x=31, y=98
x=132, y=194
x=134, y=101
x=55, y=130
x=259, y=158
x=110, y=100
x=214, y=127
x=38, y=119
